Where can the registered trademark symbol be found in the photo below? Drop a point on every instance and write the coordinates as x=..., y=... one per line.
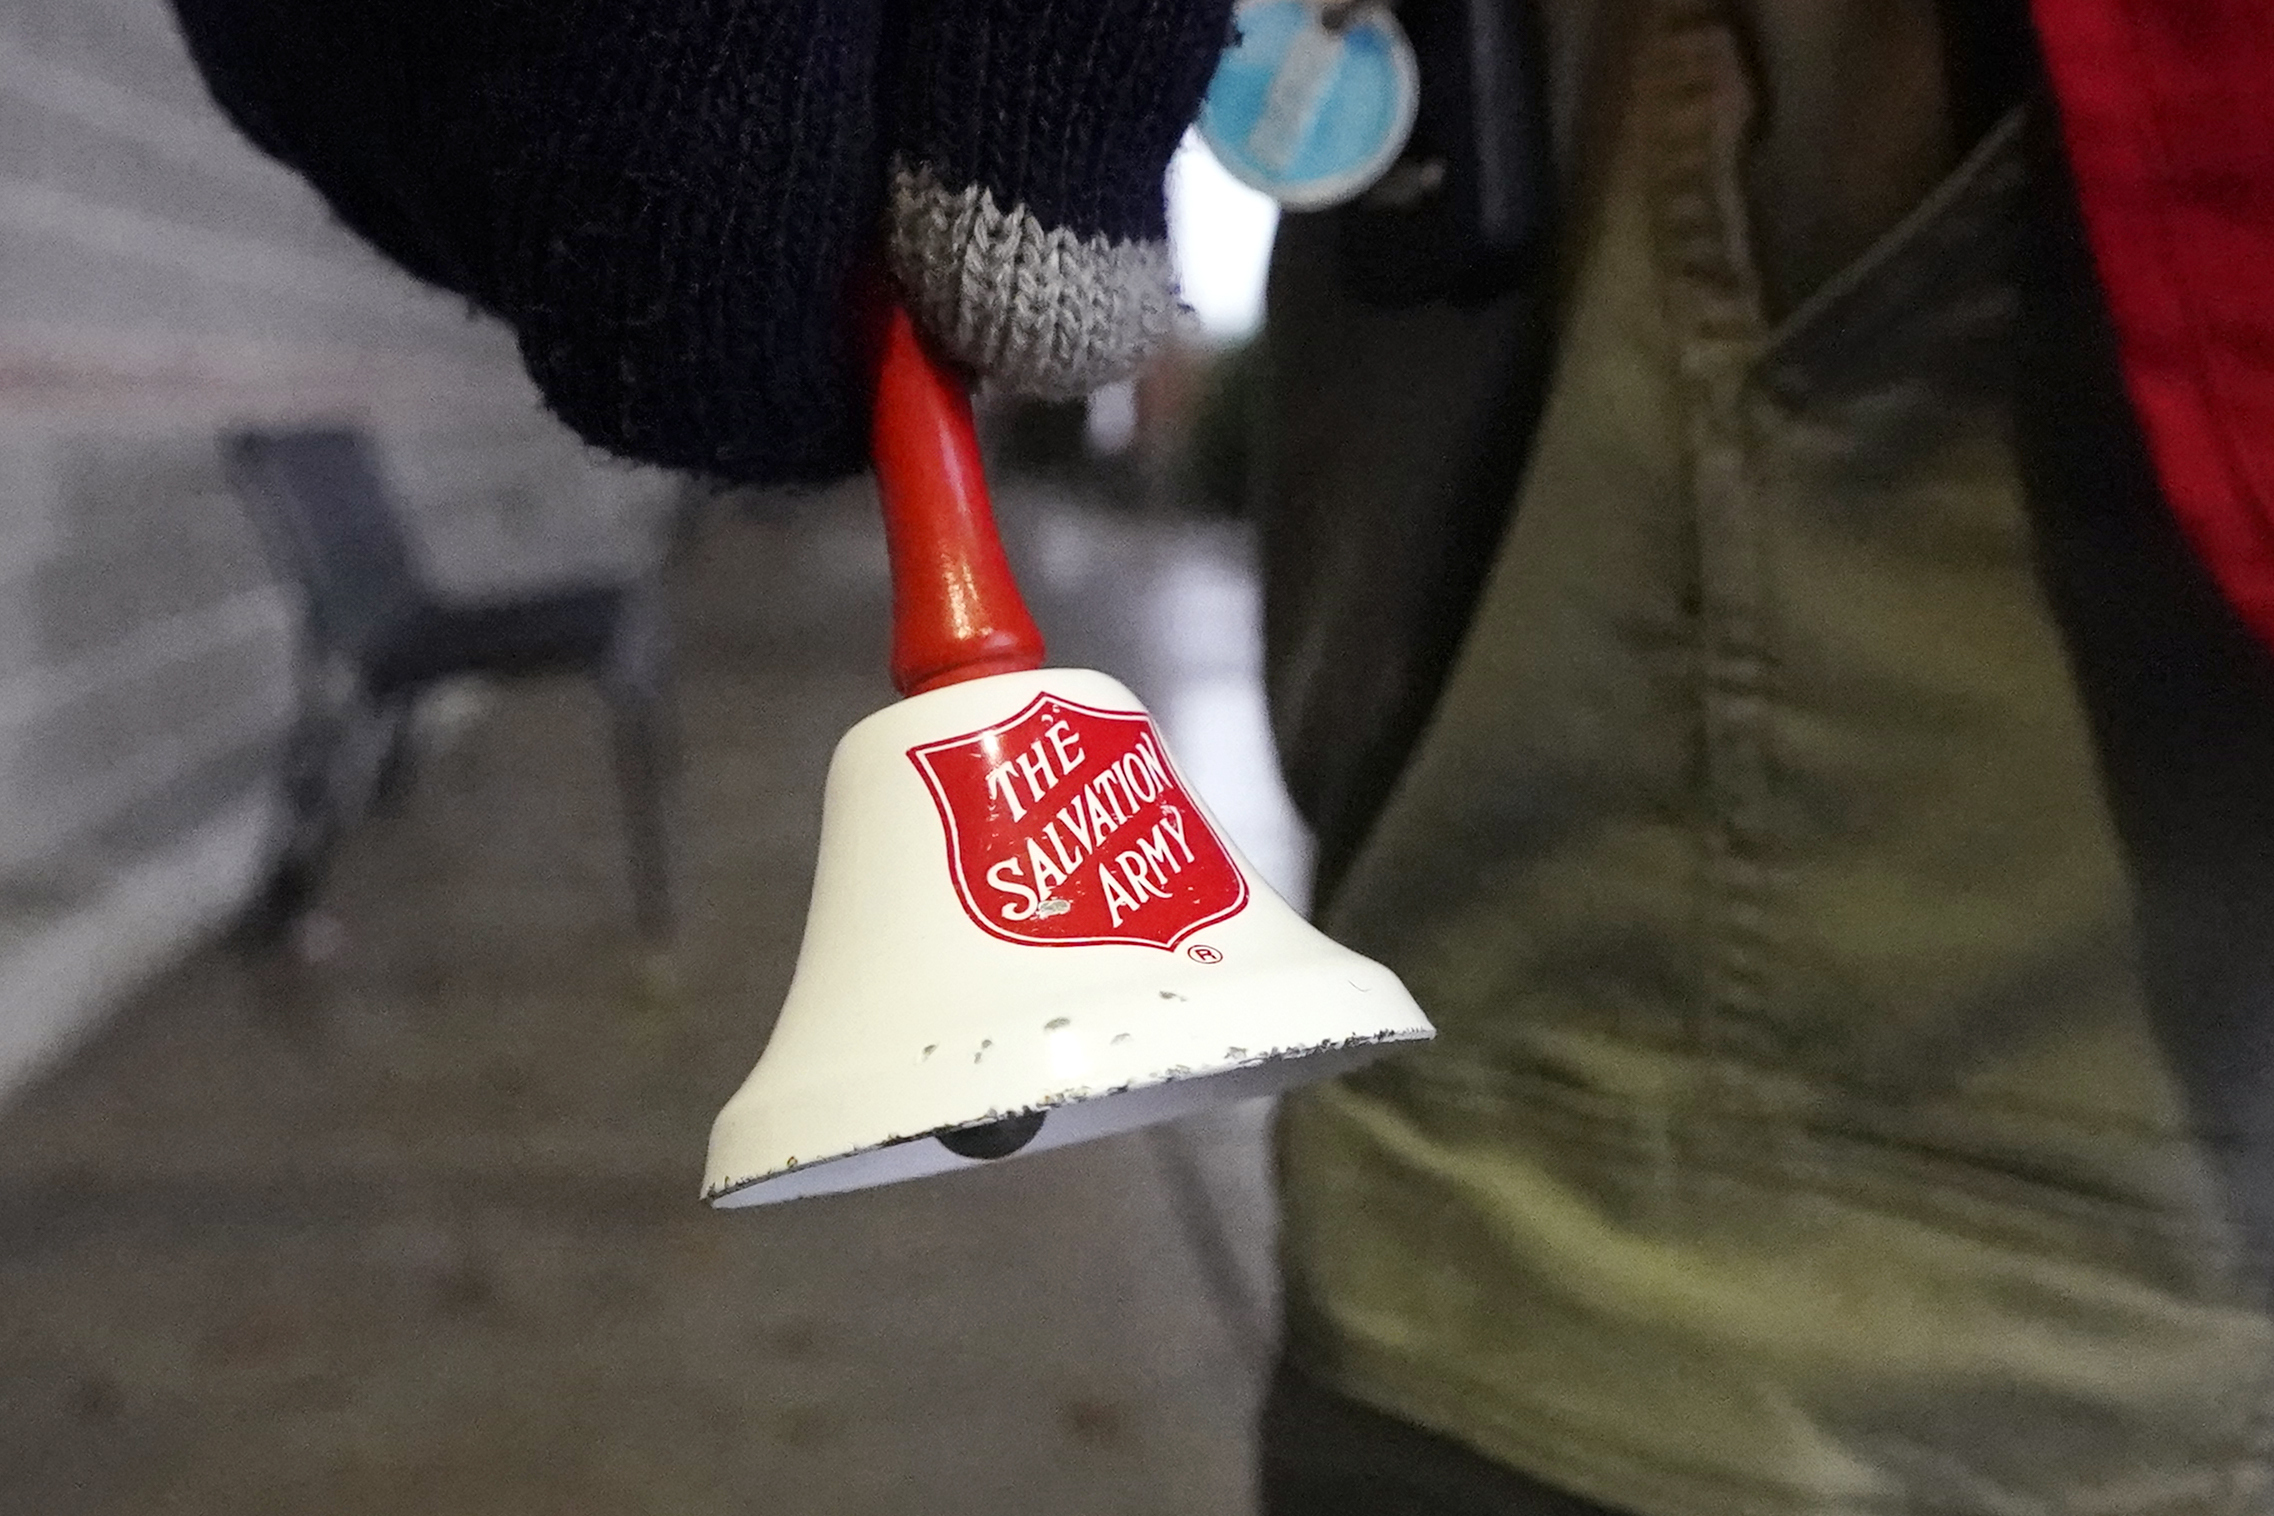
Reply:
x=1201, y=952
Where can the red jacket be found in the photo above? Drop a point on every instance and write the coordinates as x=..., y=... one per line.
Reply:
x=2167, y=109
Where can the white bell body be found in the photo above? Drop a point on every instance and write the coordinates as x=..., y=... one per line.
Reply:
x=924, y=1000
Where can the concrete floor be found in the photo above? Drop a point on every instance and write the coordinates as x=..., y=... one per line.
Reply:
x=412, y=1229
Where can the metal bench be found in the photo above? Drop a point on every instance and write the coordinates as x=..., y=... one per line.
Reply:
x=379, y=633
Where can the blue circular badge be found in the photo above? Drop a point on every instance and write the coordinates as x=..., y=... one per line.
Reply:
x=1313, y=102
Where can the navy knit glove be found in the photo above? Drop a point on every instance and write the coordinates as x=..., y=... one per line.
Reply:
x=670, y=202
x=1028, y=146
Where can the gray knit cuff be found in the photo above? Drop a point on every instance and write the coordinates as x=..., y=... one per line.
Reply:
x=1038, y=309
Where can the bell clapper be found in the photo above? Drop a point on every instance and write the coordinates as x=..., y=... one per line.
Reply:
x=993, y=1139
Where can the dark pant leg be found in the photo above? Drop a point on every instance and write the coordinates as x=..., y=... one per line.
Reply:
x=1326, y=1455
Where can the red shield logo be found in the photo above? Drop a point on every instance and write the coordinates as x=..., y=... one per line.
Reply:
x=1067, y=827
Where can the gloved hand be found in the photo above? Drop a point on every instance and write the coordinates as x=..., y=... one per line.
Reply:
x=670, y=200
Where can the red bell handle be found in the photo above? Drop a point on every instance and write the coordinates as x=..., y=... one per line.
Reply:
x=956, y=609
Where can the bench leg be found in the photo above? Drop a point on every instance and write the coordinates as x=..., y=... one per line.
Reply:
x=637, y=688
